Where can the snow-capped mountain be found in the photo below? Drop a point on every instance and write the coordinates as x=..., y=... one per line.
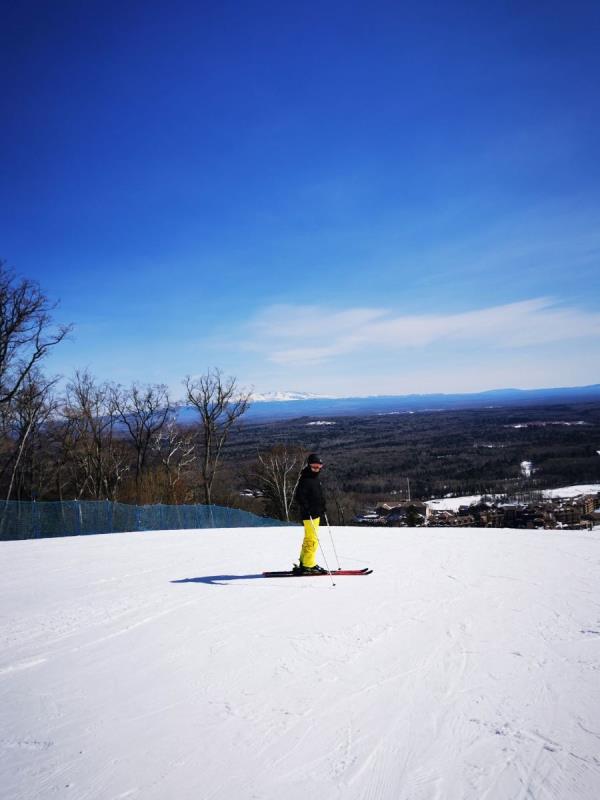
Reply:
x=285, y=397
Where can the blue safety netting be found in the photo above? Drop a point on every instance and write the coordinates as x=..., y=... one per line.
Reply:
x=33, y=520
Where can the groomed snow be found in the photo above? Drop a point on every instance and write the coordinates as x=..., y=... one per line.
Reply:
x=162, y=665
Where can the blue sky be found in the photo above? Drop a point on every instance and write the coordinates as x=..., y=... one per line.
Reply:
x=339, y=198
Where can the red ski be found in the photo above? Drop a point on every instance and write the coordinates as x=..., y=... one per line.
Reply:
x=334, y=573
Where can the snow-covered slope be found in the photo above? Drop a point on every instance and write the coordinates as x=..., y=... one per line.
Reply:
x=162, y=665
x=453, y=503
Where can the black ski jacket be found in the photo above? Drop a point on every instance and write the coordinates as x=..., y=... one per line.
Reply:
x=310, y=495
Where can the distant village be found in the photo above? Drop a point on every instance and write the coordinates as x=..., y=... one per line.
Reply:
x=581, y=512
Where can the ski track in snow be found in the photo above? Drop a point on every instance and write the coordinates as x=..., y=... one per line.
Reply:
x=158, y=665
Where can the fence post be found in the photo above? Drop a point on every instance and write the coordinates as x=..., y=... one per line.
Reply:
x=78, y=518
x=37, y=521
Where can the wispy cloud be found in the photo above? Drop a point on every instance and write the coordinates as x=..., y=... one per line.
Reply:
x=303, y=335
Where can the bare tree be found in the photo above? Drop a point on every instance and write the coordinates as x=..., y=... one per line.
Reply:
x=26, y=331
x=144, y=411
x=63, y=435
x=277, y=473
x=30, y=408
x=177, y=451
x=220, y=404
x=96, y=454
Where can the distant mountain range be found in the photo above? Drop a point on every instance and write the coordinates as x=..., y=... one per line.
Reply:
x=290, y=405
x=286, y=397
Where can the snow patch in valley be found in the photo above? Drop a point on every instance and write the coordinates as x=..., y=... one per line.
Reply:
x=573, y=491
x=545, y=424
x=450, y=503
x=526, y=469
x=453, y=503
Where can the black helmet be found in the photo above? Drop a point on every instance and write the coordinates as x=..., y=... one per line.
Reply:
x=314, y=459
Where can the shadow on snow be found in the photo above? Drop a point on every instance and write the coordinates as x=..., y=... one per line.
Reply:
x=219, y=580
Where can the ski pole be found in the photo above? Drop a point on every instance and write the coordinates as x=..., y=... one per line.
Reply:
x=332, y=542
x=322, y=551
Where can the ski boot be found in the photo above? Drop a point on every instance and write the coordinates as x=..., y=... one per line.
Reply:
x=300, y=569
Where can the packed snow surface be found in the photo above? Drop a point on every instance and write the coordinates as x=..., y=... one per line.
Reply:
x=163, y=665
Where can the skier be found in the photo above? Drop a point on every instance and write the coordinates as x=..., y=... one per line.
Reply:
x=311, y=499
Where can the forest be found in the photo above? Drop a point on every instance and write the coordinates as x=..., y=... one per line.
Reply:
x=383, y=458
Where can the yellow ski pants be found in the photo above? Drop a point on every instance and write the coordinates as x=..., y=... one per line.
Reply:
x=308, y=553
